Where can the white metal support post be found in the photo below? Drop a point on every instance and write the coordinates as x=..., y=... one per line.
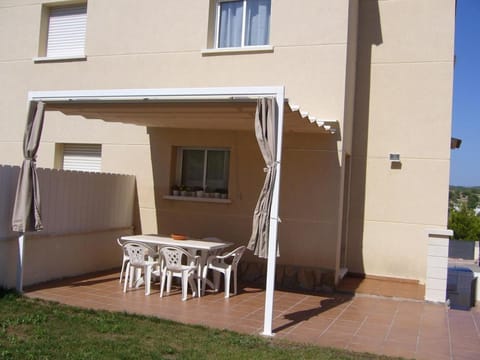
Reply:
x=21, y=239
x=272, y=241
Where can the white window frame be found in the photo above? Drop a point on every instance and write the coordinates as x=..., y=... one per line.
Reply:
x=244, y=26
x=69, y=34
x=82, y=157
x=178, y=178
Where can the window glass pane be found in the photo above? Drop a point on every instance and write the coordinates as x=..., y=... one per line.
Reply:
x=230, y=28
x=217, y=169
x=257, y=22
x=192, y=167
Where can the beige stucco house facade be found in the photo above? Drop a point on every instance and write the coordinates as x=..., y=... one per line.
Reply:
x=362, y=79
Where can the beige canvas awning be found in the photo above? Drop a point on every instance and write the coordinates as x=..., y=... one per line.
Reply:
x=224, y=114
x=209, y=108
x=266, y=133
x=26, y=209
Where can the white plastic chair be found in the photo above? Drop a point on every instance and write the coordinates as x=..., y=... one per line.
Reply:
x=177, y=262
x=227, y=265
x=124, y=260
x=141, y=257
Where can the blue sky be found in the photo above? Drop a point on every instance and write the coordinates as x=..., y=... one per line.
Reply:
x=465, y=162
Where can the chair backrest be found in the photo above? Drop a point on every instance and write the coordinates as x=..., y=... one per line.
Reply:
x=173, y=257
x=138, y=253
x=236, y=254
x=122, y=244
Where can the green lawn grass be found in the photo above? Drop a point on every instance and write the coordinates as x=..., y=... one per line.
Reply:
x=35, y=329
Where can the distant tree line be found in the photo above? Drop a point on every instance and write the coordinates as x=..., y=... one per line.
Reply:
x=464, y=215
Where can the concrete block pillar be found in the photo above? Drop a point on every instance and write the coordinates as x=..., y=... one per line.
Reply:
x=437, y=265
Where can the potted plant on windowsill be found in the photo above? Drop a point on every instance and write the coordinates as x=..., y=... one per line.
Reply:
x=183, y=190
x=222, y=193
x=198, y=191
x=175, y=190
x=208, y=193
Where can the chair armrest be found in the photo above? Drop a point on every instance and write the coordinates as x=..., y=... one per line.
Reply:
x=195, y=260
x=211, y=259
x=224, y=256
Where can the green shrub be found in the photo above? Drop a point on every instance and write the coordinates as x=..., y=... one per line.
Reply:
x=464, y=223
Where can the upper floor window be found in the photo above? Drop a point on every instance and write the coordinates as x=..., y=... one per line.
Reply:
x=66, y=31
x=242, y=23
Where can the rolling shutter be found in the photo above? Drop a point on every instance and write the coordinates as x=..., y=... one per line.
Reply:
x=82, y=157
x=66, y=31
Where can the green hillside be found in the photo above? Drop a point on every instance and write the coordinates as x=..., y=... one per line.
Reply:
x=467, y=196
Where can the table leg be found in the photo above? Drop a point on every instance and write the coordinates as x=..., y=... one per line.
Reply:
x=203, y=263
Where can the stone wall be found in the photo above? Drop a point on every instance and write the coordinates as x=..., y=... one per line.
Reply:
x=289, y=277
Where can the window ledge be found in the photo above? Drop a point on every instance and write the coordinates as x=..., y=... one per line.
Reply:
x=238, y=50
x=439, y=232
x=44, y=59
x=197, y=199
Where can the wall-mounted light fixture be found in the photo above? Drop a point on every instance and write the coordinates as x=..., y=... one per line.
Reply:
x=394, y=158
x=455, y=143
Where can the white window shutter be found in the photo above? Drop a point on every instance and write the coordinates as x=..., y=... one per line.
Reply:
x=67, y=27
x=82, y=157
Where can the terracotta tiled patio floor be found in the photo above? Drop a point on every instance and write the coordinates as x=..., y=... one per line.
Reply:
x=376, y=324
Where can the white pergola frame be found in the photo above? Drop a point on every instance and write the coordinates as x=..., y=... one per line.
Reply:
x=189, y=94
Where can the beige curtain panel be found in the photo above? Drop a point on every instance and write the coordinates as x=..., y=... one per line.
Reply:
x=266, y=133
x=26, y=210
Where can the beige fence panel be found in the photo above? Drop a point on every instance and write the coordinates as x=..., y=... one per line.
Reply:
x=73, y=202
x=83, y=202
x=8, y=186
x=80, y=211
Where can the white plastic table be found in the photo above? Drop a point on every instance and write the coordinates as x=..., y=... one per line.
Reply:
x=192, y=245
